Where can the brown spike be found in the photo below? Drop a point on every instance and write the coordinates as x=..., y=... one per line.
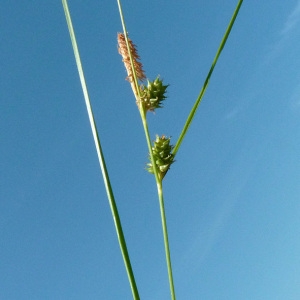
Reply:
x=126, y=58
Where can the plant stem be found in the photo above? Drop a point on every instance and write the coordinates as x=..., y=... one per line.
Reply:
x=166, y=239
x=206, y=82
x=161, y=206
x=136, y=92
x=108, y=187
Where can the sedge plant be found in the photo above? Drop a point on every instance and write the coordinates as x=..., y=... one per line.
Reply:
x=149, y=96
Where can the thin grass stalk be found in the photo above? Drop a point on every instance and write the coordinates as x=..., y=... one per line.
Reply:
x=163, y=216
x=157, y=179
x=166, y=239
x=108, y=187
x=206, y=82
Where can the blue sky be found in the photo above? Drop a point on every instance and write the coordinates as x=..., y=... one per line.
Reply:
x=231, y=198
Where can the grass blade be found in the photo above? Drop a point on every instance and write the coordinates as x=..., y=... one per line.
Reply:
x=107, y=184
x=206, y=82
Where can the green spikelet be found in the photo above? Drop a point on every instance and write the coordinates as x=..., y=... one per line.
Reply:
x=153, y=95
x=162, y=155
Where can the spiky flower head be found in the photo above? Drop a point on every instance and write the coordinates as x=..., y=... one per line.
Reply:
x=162, y=156
x=126, y=58
x=153, y=94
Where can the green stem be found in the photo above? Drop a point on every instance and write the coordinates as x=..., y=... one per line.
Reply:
x=206, y=82
x=106, y=179
x=155, y=169
x=166, y=239
x=161, y=206
x=149, y=144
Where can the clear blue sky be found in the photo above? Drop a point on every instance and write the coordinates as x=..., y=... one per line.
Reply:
x=232, y=197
